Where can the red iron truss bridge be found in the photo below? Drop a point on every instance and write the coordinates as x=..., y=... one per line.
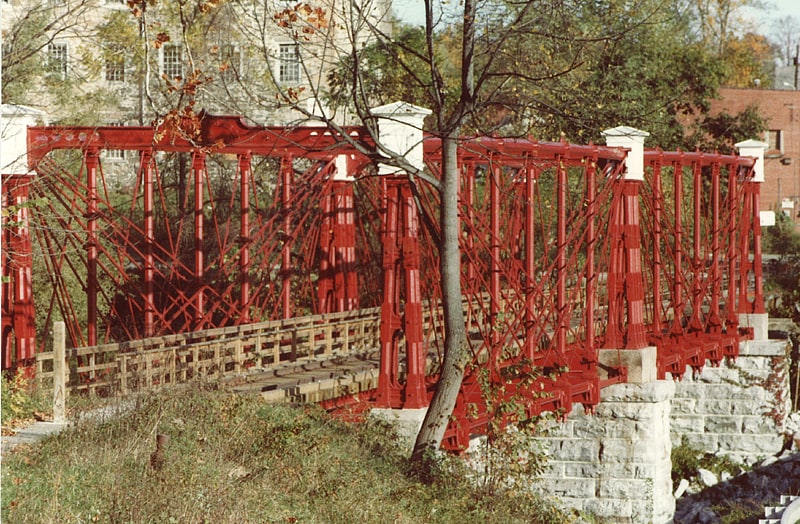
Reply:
x=134, y=232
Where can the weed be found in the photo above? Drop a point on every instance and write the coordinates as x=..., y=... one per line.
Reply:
x=739, y=512
x=22, y=400
x=686, y=460
x=231, y=459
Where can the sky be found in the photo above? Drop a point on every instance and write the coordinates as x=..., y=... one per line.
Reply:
x=777, y=9
x=414, y=12
x=786, y=8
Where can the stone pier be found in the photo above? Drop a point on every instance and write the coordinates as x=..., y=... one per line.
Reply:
x=615, y=464
x=738, y=408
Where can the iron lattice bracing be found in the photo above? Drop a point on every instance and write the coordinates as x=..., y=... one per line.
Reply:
x=562, y=255
x=230, y=226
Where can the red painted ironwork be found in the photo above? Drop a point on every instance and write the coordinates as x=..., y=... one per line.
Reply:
x=561, y=254
x=401, y=311
x=694, y=241
x=172, y=249
x=18, y=319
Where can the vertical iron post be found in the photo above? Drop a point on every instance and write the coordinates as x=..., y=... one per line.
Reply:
x=91, y=159
x=245, y=171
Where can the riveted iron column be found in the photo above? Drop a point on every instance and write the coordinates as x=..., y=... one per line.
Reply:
x=245, y=171
x=146, y=165
x=530, y=260
x=751, y=232
x=626, y=328
x=401, y=310
x=18, y=343
x=338, y=280
x=198, y=171
x=714, y=322
x=494, y=269
x=345, y=281
x=698, y=257
x=400, y=128
x=18, y=313
x=415, y=392
x=388, y=380
x=287, y=180
x=634, y=281
x=92, y=161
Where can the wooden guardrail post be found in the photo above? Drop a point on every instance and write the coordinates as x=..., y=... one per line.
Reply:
x=59, y=373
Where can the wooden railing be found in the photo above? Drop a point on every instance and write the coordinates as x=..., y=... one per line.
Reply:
x=214, y=354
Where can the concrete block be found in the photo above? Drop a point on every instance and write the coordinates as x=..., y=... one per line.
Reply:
x=753, y=445
x=764, y=348
x=758, y=321
x=683, y=406
x=405, y=421
x=572, y=487
x=575, y=450
x=641, y=363
x=686, y=424
x=758, y=425
x=657, y=391
x=627, y=489
x=714, y=406
x=723, y=424
x=613, y=510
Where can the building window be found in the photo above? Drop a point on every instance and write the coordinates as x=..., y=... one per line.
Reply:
x=774, y=140
x=57, y=58
x=115, y=63
x=289, y=64
x=115, y=154
x=230, y=62
x=172, y=61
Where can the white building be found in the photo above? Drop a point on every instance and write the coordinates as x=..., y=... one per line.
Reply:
x=101, y=62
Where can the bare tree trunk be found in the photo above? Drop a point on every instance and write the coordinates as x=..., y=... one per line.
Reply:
x=456, y=356
x=436, y=419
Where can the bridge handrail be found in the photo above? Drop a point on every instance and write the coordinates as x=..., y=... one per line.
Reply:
x=225, y=352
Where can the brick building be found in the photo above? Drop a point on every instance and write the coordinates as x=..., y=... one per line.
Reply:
x=781, y=189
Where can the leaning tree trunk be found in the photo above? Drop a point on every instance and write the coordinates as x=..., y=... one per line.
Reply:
x=430, y=436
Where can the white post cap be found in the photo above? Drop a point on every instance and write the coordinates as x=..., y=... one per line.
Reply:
x=755, y=149
x=14, y=124
x=342, y=172
x=400, y=130
x=632, y=140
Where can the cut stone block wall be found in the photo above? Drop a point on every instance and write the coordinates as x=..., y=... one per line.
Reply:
x=615, y=464
x=736, y=409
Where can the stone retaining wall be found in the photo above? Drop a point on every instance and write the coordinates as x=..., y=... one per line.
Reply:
x=736, y=409
x=615, y=464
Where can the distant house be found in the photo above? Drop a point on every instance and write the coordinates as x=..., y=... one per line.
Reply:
x=102, y=62
x=781, y=189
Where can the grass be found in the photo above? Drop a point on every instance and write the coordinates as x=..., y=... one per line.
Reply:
x=686, y=460
x=22, y=401
x=234, y=459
